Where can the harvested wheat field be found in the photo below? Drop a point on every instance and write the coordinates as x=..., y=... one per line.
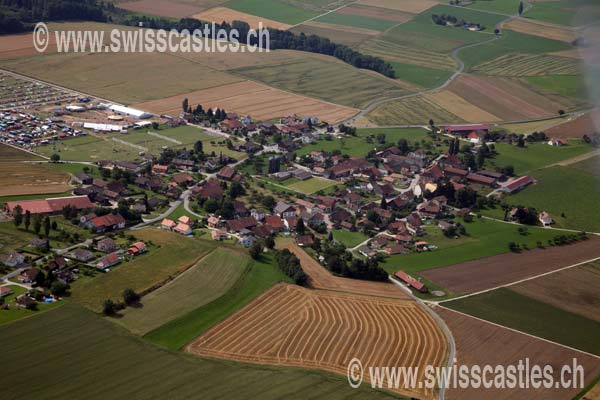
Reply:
x=489, y=272
x=293, y=326
x=342, y=34
x=515, y=64
x=220, y=14
x=409, y=6
x=320, y=278
x=255, y=99
x=416, y=110
x=540, y=28
x=574, y=290
x=375, y=12
x=162, y=8
x=482, y=343
x=508, y=99
x=224, y=61
x=576, y=128
x=460, y=107
x=25, y=178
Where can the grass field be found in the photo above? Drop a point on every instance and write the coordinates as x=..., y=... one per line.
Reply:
x=278, y=10
x=564, y=190
x=326, y=80
x=119, y=76
x=206, y=281
x=9, y=153
x=506, y=307
x=566, y=85
x=535, y=156
x=421, y=76
x=487, y=238
x=530, y=65
x=258, y=277
x=565, y=12
x=89, y=148
x=357, y=21
x=17, y=178
x=349, y=239
x=508, y=7
x=173, y=255
x=413, y=110
x=404, y=53
x=312, y=185
x=78, y=345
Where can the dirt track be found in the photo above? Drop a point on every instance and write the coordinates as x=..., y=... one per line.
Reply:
x=489, y=272
x=293, y=326
x=320, y=278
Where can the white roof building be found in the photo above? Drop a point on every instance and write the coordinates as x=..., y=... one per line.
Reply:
x=102, y=127
x=130, y=111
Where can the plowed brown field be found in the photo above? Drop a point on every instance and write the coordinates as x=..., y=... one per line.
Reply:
x=410, y=6
x=481, y=343
x=25, y=178
x=220, y=14
x=320, y=278
x=293, y=326
x=584, y=125
x=375, y=12
x=489, y=272
x=255, y=99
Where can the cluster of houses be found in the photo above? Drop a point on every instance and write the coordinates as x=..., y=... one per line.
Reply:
x=184, y=225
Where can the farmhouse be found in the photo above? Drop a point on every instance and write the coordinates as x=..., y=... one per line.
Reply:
x=545, y=219
x=284, y=210
x=108, y=261
x=29, y=275
x=5, y=291
x=305, y=241
x=410, y=281
x=49, y=206
x=183, y=229
x=226, y=173
x=106, y=245
x=517, y=184
x=219, y=235
x=12, y=260
x=167, y=224
x=465, y=130
x=136, y=248
x=106, y=222
x=83, y=255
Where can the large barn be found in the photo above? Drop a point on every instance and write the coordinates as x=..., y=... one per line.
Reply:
x=49, y=206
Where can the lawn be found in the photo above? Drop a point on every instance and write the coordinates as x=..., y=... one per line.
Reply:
x=349, y=239
x=535, y=156
x=485, y=238
x=326, y=80
x=420, y=75
x=258, y=277
x=277, y=10
x=565, y=12
x=569, y=194
x=312, y=185
x=174, y=254
x=89, y=148
x=14, y=313
x=72, y=353
x=506, y=307
x=357, y=21
x=566, y=85
x=206, y=281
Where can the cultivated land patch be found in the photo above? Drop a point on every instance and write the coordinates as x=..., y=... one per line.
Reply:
x=10, y=153
x=26, y=178
x=173, y=255
x=119, y=76
x=312, y=185
x=206, y=281
x=288, y=12
x=515, y=64
x=336, y=33
x=409, y=6
x=482, y=343
x=530, y=127
x=413, y=110
x=460, y=107
x=320, y=278
x=220, y=14
x=326, y=80
x=230, y=60
x=399, y=53
x=517, y=311
x=540, y=28
x=255, y=99
x=486, y=273
x=505, y=98
x=294, y=326
x=584, y=125
x=573, y=290
x=162, y=8
x=364, y=18
x=375, y=12
x=77, y=343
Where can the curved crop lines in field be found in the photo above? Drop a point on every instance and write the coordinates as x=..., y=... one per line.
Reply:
x=293, y=326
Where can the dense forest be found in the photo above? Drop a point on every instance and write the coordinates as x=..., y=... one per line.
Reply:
x=279, y=39
x=21, y=15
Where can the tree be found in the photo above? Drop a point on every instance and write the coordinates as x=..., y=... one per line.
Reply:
x=270, y=242
x=47, y=226
x=58, y=288
x=561, y=112
x=109, y=307
x=55, y=157
x=37, y=224
x=300, y=228
x=198, y=147
x=255, y=250
x=18, y=215
x=130, y=296
x=520, y=8
x=236, y=189
x=185, y=105
x=403, y=146
x=27, y=222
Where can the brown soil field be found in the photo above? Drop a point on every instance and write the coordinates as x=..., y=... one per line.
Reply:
x=540, y=28
x=506, y=98
x=375, y=12
x=593, y=394
x=320, y=278
x=220, y=14
x=409, y=6
x=255, y=99
x=574, y=290
x=293, y=326
x=9, y=153
x=18, y=179
x=460, y=107
x=481, y=343
x=336, y=33
x=162, y=8
x=489, y=272
x=584, y=125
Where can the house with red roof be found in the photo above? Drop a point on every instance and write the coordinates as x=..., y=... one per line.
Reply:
x=106, y=222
